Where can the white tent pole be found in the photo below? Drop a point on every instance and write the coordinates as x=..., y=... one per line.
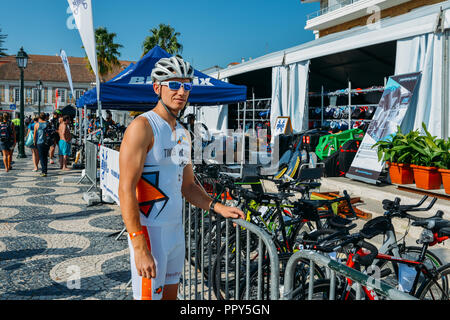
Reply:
x=253, y=93
x=238, y=115
x=350, y=105
x=85, y=126
x=445, y=132
x=80, y=122
x=243, y=140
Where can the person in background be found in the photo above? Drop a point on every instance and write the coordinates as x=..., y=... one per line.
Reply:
x=27, y=121
x=34, y=150
x=55, y=121
x=64, y=142
x=7, y=139
x=3, y=142
x=108, y=123
x=42, y=148
x=16, y=123
x=92, y=124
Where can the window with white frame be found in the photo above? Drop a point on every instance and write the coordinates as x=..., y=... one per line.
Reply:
x=16, y=94
x=78, y=94
x=62, y=95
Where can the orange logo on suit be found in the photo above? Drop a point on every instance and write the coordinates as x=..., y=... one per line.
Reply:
x=148, y=193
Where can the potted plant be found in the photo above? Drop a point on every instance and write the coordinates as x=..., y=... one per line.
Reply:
x=428, y=154
x=397, y=153
x=444, y=164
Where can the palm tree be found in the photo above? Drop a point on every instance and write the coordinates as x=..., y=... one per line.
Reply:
x=107, y=52
x=165, y=37
x=2, y=39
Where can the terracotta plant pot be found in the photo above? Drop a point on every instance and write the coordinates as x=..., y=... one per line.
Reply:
x=427, y=178
x=445, y=174
x=401, y=173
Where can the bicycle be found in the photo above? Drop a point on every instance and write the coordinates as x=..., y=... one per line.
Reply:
x=435, y=280
x=391, y=246
x=231, y=252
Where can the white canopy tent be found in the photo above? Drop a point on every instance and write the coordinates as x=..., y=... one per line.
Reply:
x=425, y=28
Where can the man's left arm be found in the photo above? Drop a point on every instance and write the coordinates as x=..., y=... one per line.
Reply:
x=196, y=196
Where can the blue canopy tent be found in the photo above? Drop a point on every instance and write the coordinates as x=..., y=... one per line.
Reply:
x=132, y=89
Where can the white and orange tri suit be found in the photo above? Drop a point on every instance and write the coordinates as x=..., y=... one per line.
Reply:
x=160, y=204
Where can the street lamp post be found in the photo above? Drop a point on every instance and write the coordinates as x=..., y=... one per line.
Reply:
x=39, y=88
x=22, y=60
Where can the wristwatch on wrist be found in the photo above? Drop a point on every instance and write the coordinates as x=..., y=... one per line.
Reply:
x=213, y=203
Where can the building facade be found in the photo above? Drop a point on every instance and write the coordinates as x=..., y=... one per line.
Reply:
x=56, y=92
x=339, y=15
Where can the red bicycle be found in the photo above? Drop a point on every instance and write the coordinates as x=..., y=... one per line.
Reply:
x=426, y=282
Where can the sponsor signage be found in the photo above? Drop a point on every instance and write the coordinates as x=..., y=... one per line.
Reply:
x=391, y=110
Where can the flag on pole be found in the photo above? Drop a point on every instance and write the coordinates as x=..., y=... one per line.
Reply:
x=56, y=99
x=82, y=13
x=65, y=62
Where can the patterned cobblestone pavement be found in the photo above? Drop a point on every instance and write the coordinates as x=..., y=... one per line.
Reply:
x=52, y=245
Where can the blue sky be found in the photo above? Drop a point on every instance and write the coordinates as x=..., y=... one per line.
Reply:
x=213, y=32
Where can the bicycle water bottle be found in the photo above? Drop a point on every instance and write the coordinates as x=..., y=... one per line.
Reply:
x=406, y=276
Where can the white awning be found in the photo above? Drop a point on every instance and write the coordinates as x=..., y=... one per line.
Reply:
x=419, y=21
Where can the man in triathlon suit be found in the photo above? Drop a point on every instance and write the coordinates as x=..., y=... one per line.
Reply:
x=155, y=173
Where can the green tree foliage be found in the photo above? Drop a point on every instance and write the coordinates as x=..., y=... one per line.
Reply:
x=107, y=52
x=165, y=37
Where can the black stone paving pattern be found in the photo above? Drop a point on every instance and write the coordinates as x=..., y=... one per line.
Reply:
x=47, y=231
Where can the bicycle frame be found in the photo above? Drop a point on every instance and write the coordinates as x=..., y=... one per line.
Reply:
x=419, y=266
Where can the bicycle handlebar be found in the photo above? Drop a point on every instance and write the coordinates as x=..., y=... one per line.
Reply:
x=395, y=207
x=366, y=260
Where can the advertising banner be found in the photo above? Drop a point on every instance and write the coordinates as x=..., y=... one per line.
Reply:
x=109, y=172
x=82, y=13
x=391, y=110
x=65, y=62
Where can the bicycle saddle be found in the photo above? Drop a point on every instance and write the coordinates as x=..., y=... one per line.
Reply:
x=317, y=203
x=341, y=223
x=276, y=196
x=376, y=226
x=310, y=184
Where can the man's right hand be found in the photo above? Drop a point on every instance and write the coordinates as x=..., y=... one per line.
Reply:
x=145, y=264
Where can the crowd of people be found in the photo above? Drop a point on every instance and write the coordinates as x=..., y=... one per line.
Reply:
x=94, y=126
x=43, y=135
x=37, y=128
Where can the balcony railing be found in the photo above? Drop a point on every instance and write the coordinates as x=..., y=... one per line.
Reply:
x=326, y=10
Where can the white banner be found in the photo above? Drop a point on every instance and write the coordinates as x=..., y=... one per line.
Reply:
x=82, y=13
x=109, y=173
x=65, y=62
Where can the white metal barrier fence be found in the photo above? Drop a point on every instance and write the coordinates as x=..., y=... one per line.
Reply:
x=361, y=280
x=236, y=260
x=227, y=259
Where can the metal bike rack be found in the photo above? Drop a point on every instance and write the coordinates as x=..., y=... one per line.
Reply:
x=195, y=286
x=359, y=278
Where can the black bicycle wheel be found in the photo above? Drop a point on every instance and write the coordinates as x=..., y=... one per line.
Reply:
x=322, y=291
x=259, y=284
x=225, y=266
x=389, y=269
x=209, y=243
x=436, y=288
